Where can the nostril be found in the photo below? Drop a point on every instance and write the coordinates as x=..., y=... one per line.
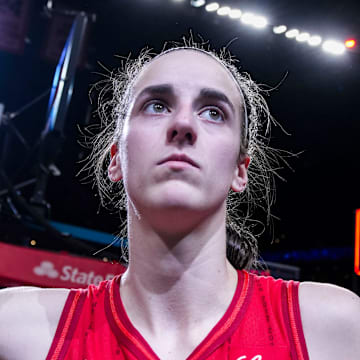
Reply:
x=181, y=135
x=174, y=133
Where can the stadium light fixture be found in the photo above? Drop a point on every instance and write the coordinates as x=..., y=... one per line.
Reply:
x=212, y=7
x=279, y=29
x=333, y=47
x=302, y=37
x=247, y=18
x=197, y=3
x=293, y=33
x=315, y=40
x=225, y=10
x=350, y=43
x=254, y=20
x=259, y=22
x=235, y=14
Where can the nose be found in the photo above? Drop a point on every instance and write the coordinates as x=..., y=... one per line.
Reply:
x=182, y=129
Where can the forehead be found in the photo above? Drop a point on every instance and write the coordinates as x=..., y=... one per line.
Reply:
x=188, y=69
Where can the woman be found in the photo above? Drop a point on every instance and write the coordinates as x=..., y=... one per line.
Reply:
x=185, y=135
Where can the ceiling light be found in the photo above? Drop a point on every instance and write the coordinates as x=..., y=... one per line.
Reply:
x=314, y=40
x=247, y=18
x=350, y=43
x=254, y=20
x=225, y=10
x=302, y=37
x=259, y=22
x=235, y=13
x=333, y=47
x=293, y=33
x=197, y=3
x=212, y=7
x=279, y=29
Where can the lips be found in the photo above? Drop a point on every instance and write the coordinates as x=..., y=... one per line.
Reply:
x=180, y=158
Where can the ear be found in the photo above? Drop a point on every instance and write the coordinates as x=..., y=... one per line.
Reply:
x=240, y=178
x=114, y=169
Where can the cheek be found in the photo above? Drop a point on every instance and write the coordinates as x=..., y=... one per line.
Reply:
x=223, y=162
x=137, y=142
x=228, y=154
x=136, y=149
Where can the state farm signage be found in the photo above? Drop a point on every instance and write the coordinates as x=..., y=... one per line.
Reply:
x=24, y=266
x=70, y=273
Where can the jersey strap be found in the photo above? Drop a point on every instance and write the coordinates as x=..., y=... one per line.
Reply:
x=121, y=326
x=292, y=320
x=67, y=324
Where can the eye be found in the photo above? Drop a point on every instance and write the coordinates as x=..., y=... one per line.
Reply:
x=214, y=115
x=155, y=108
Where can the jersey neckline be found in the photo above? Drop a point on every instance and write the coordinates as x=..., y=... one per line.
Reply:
x=127, y=334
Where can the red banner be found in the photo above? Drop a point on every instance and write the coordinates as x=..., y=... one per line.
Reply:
x=24, y=266
x=14, y=16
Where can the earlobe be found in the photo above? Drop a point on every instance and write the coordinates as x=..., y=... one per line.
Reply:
x=240, y=176
x=114, y=169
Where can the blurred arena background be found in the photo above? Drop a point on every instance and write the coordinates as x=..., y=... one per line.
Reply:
x=307, y=52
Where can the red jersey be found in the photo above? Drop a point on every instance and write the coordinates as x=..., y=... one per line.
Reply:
x=262, y=323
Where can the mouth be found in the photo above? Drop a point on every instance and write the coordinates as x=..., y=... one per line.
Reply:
x=180, y=158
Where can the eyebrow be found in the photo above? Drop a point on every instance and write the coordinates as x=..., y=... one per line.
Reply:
x=155, y=90
x=168, y=89
x=216, y=95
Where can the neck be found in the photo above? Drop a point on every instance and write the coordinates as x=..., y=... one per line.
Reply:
x=184, y=270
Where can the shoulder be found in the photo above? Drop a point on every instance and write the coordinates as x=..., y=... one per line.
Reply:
x=26, y=302
x=30, y=297
x=29, y=316
x=330, y=316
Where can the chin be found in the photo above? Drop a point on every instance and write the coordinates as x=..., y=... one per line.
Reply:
x=176, y=194
x=176, y=204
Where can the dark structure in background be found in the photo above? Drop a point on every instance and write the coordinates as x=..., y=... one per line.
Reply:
x=316, y=103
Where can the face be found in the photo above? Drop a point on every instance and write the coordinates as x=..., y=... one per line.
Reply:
x=180, y=143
